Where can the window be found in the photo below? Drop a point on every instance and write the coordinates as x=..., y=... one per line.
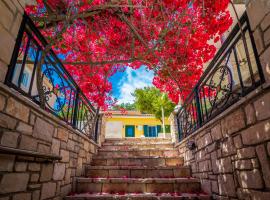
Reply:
x=25, y=78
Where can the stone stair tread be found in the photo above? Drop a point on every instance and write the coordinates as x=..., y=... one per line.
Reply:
x=133, y=144
x=137, y=149
x=142, y=196
x=135, y=167
x=138, y=157
x=137, y=180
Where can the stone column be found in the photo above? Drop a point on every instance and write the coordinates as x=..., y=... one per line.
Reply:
x=259, y=17
x=11, y=13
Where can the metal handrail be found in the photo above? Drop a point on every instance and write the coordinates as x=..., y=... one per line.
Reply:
x=223, y=82
x=63, y=96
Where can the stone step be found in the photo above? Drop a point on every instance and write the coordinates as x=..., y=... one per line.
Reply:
x=137, y=196
x=107, y=146
x=137, y=172
x=129, y=153
x=136, y=142
x=139, y=161
x=137, y=185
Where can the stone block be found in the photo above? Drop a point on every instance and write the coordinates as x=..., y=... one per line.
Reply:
x=225, y=165
x=3, y=71
x=266, y=37
x=46, y=172
x=243, y=164
x=266, y=22
x=65, y=155
x=22, y=196
x=48, y=190
x=250, y=179
x=65, y=190
x=262, y=107
x=233, y=123
x=43, y=130
x=7, y=41
x=55, y=146
x=8, y=185
x=36, y=195
x=238, y=142
x=244, y=153
x=227, y=147
x=264, y=160
x=20, y=166
x=10, y=139
x=28, y=143
x=6, y=18
x=34, y=178
x=250, y=114
x=259, y=195
x=62, y=134
x=42, y=148
x=59, y=171
x=204, y=141
x=214, y=186
x=2, y=102
x=25, y=128
x=17, y=109
x=257, y=133
x=34, y=167
x=258, y=37
x=7, y=121
x=216, y=132
x=257, y=10
x=255, y=163
x=265, y=62
x=7, y=162
x=268, y=148
x=226, y=185
x=16, y=25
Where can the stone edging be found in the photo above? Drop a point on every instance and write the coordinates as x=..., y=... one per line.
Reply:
x=242, y=101
x=37, y=109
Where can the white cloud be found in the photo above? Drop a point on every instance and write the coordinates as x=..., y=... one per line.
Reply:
x=134, y=79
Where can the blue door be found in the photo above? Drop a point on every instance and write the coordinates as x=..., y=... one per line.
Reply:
x=150, y=131
x=130, y=131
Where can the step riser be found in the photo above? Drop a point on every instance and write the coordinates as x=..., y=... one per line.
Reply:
x=138, y=187
x=138, y=198
x=136, y=147
x=139, y=173
x=121, y=154
x=150, y=162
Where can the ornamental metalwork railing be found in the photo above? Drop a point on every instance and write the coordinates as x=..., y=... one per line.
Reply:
x=62, y=96
x=233, y=73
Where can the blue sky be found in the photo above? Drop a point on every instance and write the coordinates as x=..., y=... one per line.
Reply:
x=124, y=83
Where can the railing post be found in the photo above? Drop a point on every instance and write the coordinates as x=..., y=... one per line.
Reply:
x=74, y=120
x=198, y=106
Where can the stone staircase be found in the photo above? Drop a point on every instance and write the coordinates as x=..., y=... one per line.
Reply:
x=137, y=169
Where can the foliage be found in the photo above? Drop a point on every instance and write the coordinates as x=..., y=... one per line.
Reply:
x=171, y=37
x=126, y=106
x=150, y=100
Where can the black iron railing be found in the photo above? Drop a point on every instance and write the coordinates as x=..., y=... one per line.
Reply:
x=233, y=73
x=62, y=95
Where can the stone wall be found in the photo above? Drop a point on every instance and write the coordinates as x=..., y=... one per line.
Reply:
x=24, y=126
x=233, y=150
x=11, y=12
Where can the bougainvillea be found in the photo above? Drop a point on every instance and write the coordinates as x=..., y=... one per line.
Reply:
x=100, y=37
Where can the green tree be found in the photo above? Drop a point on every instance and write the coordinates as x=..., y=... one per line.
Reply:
x=126, y=106
x=151, y=100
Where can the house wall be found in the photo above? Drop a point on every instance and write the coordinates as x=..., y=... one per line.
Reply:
x=138, y=122
x=24, y=127
x=232, y=154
